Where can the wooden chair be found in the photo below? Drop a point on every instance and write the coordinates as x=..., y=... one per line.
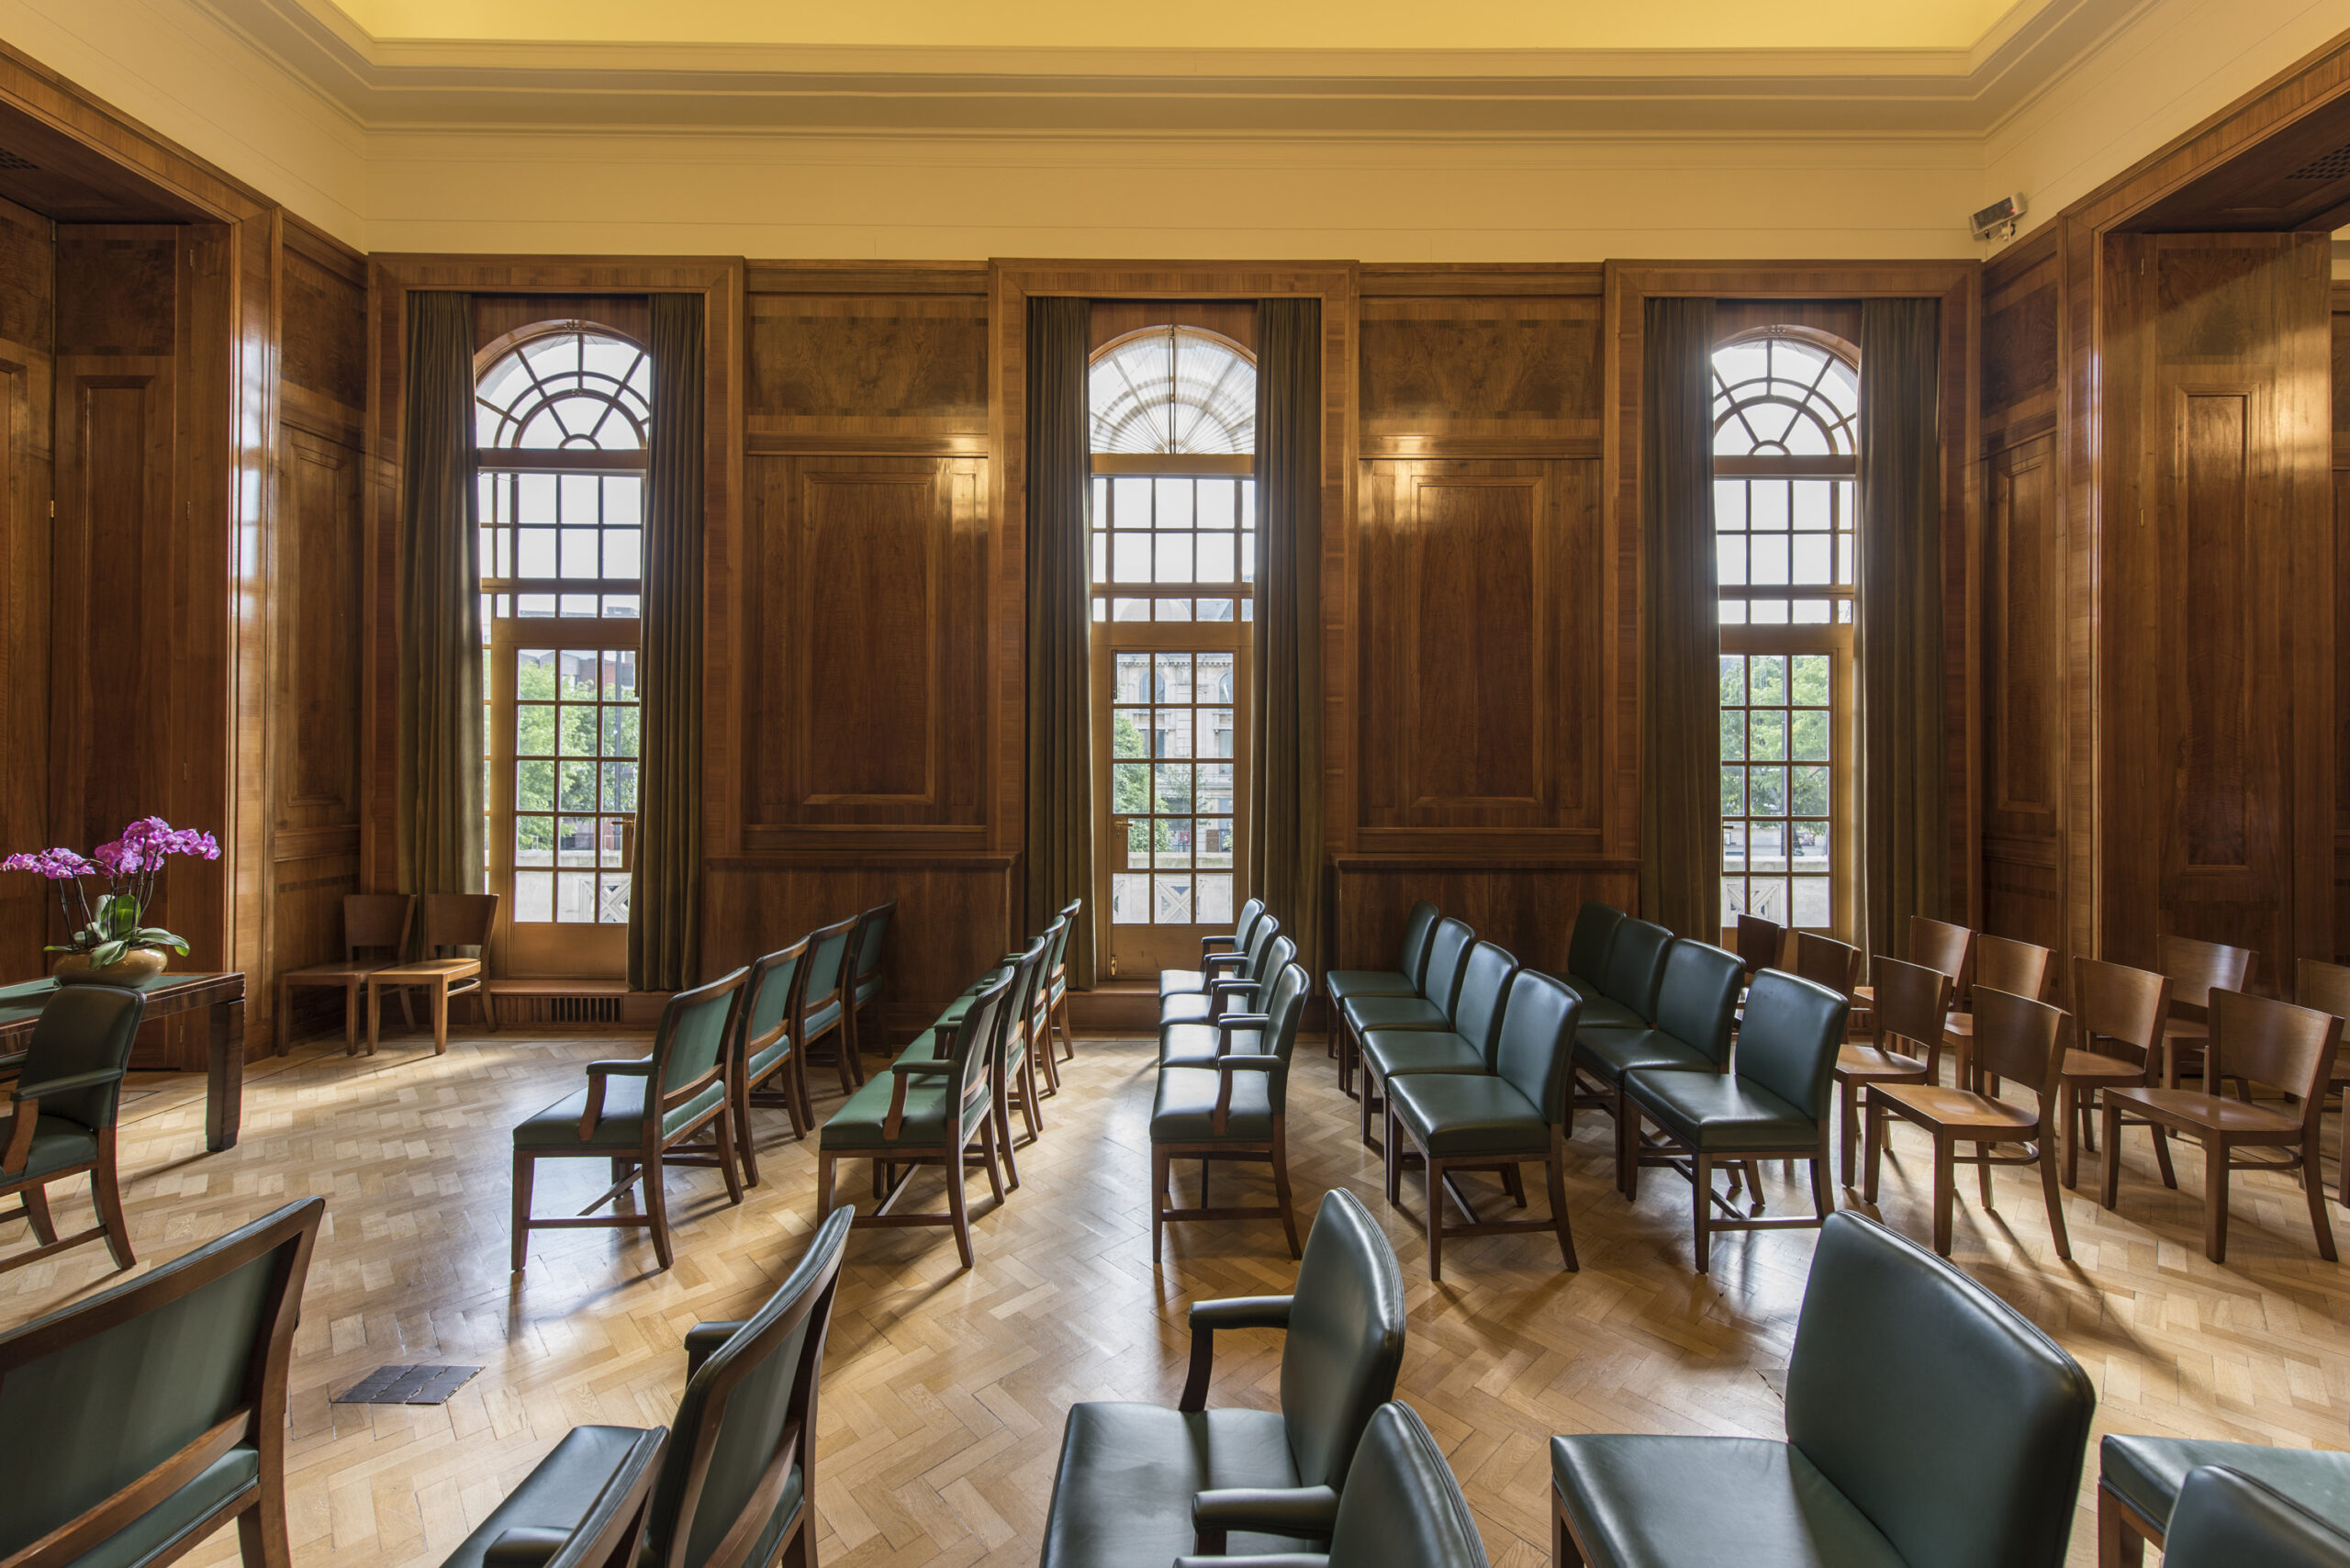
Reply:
x=1912, y=1001
x=2016, y=1037
x=1040, y=1009
x=1760, y=943
x=868, y=971
x=1056, y=985
x=1936, y=945
x=2195, y=970
x=2001, y=963
x=641, y=1115
x=823, y=1001
x=933, y=1108
x=66, y=1102
x=135, y=1424
x=374, y=935
x=2119, y=1012
x=764, y=1048
x=2260, y=1041
x=1014, y=1050
x=1236, y=1110
x=451, y=920
x=2326, y=987
x=1826, y=961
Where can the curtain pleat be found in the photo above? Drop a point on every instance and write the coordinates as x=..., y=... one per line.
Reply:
x=1285, y=779
x=1060, y=710
x=1681, y=806
x=664, y=893
x=1899, y=623
x=440, y=792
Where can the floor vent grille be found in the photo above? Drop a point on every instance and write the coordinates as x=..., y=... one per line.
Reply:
x=406, y=1385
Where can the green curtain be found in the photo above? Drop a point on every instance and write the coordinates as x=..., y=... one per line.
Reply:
x=1060, y=712
x=665, y=892
x=1904, y=809
x=440, y=793
x=1680, y=803
x=1285, y=781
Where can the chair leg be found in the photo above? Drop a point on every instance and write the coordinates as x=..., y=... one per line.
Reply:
x=441, y=1019
x=525, y=1168
x=1068, y=1035
x=1032, y=1105
x=375, y=1015
x=1391, y=1156
x=1432, y=1168
x=1562, y=1542
x=657, y=1207
x=1628, y=1150
x=1873, y=1153
x=105, y=1196
x=1821, y=1200
x=2161, y=1158
x=2047, y=1163
x=1280, y=1188
x=1159, y=1163
x=2343, y=1152
x=36, y=1202
x=745, y=1148
x=1847, y=1132
x=1362, y=1106
x=1983, y=1171
x=2118, y=1545
x=1554, y=1178
x=2071, y=1116
x=1003, y=1141
x=797, y=1087
x=407, y=1008
x=726, y=1166
x=1514, y=1184
x=957, y=1205
x=2313, y=1183
x=1701, y=1171
x=1945, y=1194
x=987, y=1151
x=2215, y=1199
x=261, y=1532
x=2110, y=1161
x=824, y=1184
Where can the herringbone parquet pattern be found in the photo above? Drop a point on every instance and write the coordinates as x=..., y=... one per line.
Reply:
x=944, y=1392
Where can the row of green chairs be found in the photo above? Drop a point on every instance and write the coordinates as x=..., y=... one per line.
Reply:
x=136, y=1424
x=947, y=1100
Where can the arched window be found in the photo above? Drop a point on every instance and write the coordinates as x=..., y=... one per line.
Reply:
x=1174, y=519
x=561, y=415
x=1787, y=408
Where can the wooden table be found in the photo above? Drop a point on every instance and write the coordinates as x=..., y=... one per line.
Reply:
x=167, y=995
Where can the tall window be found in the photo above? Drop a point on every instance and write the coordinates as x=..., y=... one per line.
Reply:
x=561, y=422
x=1785, y=443
x=1174, y=519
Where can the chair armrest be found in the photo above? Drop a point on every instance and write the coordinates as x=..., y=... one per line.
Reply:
x=14, y=1061
x=49, y=1086
x=920, y=1068
x=598, y=1073
x=1250, y=1062
x=902, y=1073
x=524, y=1545
x=1308, y=1511
x=1209, y=944
x=1215, y=961
x=702, y=1341
x=1228, y=1064
x=1232, y=1312
x=1219, y=986
x=1270, y=1560
x=1232, y=1023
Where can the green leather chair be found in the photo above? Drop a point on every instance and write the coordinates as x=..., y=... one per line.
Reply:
x=1626, y=995
x=1402, y=1509
x=1198, y=1045
x=1226, y=972
x=1431, y=1008
x=1177, y=982
x=1235, y=1108
x=1411, y=963
x=1056, y=985
x=1011, y=1064
x=927, y=1110
x=1772, y=1106
x=1475, y=1121
x=2225, y=1521
x=642, y=1115
x=66, y=1100
x=763, y=1050
x=582, y=1507
x=1588, y=947
x=136, y=1422
x=867, y=963
x=1928, y=1425
x=823, y=1001
x=1140, y=1484
x=1464, y=1044
x=2140, y=1481
x=1696, y=1010
x=1040, y=1014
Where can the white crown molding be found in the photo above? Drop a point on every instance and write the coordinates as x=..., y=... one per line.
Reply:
x=410, y=85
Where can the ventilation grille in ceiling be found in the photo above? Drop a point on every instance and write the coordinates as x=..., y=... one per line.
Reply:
x=2334, y=165
x=11, y=161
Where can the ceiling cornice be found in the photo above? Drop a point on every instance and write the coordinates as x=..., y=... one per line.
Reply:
x=434, y=84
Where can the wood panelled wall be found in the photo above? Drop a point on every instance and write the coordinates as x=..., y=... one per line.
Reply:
x=27, y=343
x=2340, y=345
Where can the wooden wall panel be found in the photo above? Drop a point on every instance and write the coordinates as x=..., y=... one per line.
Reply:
x=2341, y=369
x=877, y=367
x=1489, y=372
x=27, y=332
x=1528, y=909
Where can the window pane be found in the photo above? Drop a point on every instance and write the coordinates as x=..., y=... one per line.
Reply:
x=1811, y=903
x=1129, y=899
x=1138, y=844
x=1766, y=681
x=579, y=552
x=1174, y=678
x=1134, y=677
x=1129, y=789
x=1216, y=733
x=575, y=897
x=1215, y=609
x=1215, y=561
x=1214, y=679
x=534, y=729
x=620, y=731
x=1769, y=560
x=1733, y=791
x=1173, y=609
x=1130, y=610
x=1172, y=838
x=1127, y=726
x=1217, y=503
x=1811, y=564
x=1132, y=564
x=1733, y=679
x=1810, y=844
x=578, y=785
x=1767, y=736
x=534, y=896
x=1130, y=502
x=1174, y=558
x=1811, y=680
x=1766, y=792
x=1730, y=560
x=1174, y=786
x=535, y=785
x=1215, y=895
x=578, y=726
x=1733, y=736
x=533, y=841
x=534, y=555
x=1216, y=787
x=619, y=786
x=1734, y=847
x=1809, y=797
x=1810, y=742
x=1214, y=844
x=1171, y=732
x=1172, y=905
x=1172, y=499
x=1767, y=506
x=1767, y=897
x=574, y=843
x=611, y=904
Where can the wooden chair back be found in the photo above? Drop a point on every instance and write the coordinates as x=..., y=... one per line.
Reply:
x=870, y=944
x=2020, y=968
x=1912, y=1001
x=828, y=966
x=770, y=998
x=747, y=1418
x=1017, y=1031
x=166, y=1376
x=976, y=1047
x=376, y=924
x=1826, y=961
x=2021, y=1037
x=1056, y=978
x=1040, y=1000
x=1758, y=942
x=458, y=920
x=1939, y=945
x=82, y=1037
x=2325, y=986
x=2196, y=969
x=2120, y=1010
x=2276, y=1043
x=689, y=1046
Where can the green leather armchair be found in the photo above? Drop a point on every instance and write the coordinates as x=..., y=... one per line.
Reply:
x=136, y=1422
x=1175, y=983
x=1419, y=1038
x=764, y=1049
x=1224, y=972
x=824, y=999
x=2140, y=1480
x=66, y=1098
x=1928, y=1425
x=2226, y=1519
x=1696, y=1010
x=1403, y=1509
x=1588, y=946
x=1234, y=1107
x=868, y=971
x=582, y=1507
x=1139, y=1485
x=1238, y=1025
x=1448, y=965
x=1411, y=963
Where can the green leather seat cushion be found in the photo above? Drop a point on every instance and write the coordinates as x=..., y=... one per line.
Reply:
x=2148, y=1472
x=1180, y=982
x=1715, y=1112
x=863, y=1119
x=1667, y=1502
x=1606, y=1012
x=557, y=1492
x=160, y=1528
x=1185, y=1107
x=1195, y=1008
x=1396, y=1053
x=1189, y=1045
x=1457, y=1114
x=1340, y=984
x=1123, y=1498
x=1612, y=1052
x=824, y=1018
x=1365, y=1014
x=923, y=1047
x=622, y=1123
x=766, y=1062
x=58, y=1145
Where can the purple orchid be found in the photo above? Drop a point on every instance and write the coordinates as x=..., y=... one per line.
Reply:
x=116, y=924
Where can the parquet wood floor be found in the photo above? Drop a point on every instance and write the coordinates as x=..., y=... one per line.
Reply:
x=945, y=1391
